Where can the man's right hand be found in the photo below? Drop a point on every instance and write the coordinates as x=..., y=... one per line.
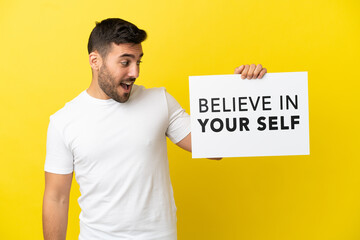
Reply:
x=250, y=71
x=56, y=205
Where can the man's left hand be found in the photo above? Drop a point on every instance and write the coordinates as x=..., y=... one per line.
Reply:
x=251, y=71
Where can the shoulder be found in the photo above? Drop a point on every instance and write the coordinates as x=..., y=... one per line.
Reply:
x=141, y=92
x=70, y=109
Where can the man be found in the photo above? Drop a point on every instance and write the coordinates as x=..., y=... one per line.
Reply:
x=113, y=135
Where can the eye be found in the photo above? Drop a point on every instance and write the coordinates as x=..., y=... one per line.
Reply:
x=138, y=62
x=125, y=63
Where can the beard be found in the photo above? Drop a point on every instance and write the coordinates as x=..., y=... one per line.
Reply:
x=108, y=84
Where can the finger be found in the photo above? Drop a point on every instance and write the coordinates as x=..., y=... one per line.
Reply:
x=257, y=71
x=262, y=73
x=239, y=69
x=251, y=71
x=245, y=71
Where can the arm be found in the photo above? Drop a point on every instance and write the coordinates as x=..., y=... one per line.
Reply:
x=56, y=205
x=185, y=143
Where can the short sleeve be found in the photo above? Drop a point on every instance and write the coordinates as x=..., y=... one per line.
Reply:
x=179, y=120
x=58, y=157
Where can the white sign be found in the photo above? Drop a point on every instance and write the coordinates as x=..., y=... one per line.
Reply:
x=232, y=117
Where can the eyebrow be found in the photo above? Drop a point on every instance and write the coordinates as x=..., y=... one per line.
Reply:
x=130, y=55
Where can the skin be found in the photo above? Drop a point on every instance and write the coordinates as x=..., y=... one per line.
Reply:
x=56, y=205
x=119, y=66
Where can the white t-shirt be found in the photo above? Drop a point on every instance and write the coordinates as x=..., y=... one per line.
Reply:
x=119, y=155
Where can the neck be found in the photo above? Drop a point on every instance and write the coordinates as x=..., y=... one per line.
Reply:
x=95, y=91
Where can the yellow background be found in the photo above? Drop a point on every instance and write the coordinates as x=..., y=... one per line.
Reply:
x=43, y=64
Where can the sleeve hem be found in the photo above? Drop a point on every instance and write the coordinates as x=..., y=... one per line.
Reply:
x=181, y=136
x=59, y=171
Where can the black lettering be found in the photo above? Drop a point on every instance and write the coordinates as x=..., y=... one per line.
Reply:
x=264, y=103
x=224, y=109
x=213, y=104
x=230, y=129
x=242, y=103
x=203, y=103
x=293, y=121
x=244, y=122
x=273, y=123
x=203, y=124
x=283, y=126
x=260, y=122
x=294, y=104
x=256, y=104
x=281, y=102
x=221, y=125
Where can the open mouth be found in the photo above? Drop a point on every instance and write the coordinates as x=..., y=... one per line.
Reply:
x=126, y=85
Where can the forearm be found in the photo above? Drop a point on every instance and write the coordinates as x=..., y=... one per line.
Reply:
x=55, y=217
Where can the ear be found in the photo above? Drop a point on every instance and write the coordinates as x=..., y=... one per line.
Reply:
x=95, y=60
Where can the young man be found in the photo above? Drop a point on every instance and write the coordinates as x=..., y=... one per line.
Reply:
x=113, y=135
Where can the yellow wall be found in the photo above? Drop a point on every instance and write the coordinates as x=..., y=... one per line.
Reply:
x=43, y=64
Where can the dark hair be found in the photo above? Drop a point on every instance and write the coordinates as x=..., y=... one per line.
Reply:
x=114, y=30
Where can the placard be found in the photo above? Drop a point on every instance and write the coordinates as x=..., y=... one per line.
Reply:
x=234, y=117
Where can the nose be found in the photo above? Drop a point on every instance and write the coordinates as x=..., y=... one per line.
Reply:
x=134, y=71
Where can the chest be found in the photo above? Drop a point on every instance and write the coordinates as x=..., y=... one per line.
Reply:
x=103, y=134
